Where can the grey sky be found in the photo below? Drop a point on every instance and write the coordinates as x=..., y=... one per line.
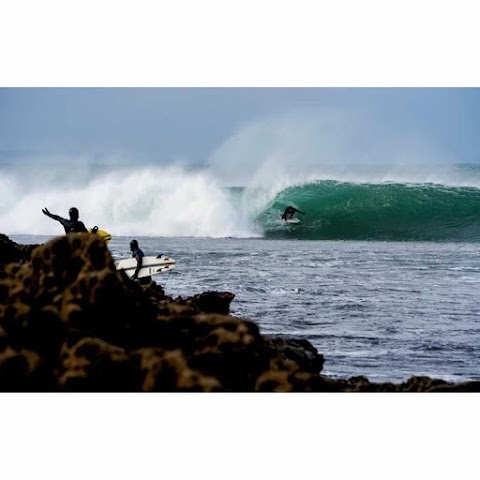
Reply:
x=164, y=124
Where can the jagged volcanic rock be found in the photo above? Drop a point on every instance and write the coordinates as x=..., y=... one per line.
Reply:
x=13, y=252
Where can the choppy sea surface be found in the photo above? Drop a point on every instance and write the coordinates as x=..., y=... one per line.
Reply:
x=385, y=310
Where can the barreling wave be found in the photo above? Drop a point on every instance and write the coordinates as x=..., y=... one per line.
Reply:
x=381, y=211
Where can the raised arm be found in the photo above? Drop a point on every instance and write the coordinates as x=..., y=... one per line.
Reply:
x=58, y=218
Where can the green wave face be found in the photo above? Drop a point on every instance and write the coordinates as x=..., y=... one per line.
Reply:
x=385, y=211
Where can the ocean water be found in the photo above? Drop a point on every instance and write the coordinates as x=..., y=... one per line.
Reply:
x=381, y=276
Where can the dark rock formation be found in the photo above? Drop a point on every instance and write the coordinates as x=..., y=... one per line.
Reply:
x=91, y=328
x=213, y=302
x=13, y=252
x=299, y=350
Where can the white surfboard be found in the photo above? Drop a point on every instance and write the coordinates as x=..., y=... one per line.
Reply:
x=150, y=266
x=292, y=220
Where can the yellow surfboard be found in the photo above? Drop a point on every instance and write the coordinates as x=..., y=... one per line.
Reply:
x=101, y=233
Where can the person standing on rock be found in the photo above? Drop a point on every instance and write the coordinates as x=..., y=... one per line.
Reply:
x=72, y=225
x=138, y=254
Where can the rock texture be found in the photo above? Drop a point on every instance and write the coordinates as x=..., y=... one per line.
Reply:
x=69, y=321
x=13, y=252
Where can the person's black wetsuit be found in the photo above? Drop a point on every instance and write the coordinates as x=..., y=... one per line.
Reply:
x=289, y=211
x=138, y=254
x=70, y=225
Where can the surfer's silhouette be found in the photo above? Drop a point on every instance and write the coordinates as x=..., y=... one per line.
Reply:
x=138, y=254
x=289, y=212
x=72, y=225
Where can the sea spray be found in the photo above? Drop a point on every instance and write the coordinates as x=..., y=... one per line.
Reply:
x=146, y=200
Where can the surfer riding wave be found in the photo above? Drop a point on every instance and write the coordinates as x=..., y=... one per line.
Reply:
x=289, y=212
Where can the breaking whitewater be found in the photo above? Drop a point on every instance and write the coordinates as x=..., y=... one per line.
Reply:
x=357, y=203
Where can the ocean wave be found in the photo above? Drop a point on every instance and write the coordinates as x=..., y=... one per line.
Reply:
x=376, y=211
x=173, y=202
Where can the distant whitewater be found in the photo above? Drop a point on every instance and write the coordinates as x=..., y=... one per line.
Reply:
x=175, y=202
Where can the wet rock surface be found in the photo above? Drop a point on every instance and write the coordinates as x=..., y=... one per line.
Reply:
x=13, y=252
x=69, y=321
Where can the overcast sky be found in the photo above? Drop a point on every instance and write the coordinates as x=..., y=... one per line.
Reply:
x=191, y=124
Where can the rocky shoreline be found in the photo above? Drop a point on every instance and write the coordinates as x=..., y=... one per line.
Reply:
x=70, y=322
